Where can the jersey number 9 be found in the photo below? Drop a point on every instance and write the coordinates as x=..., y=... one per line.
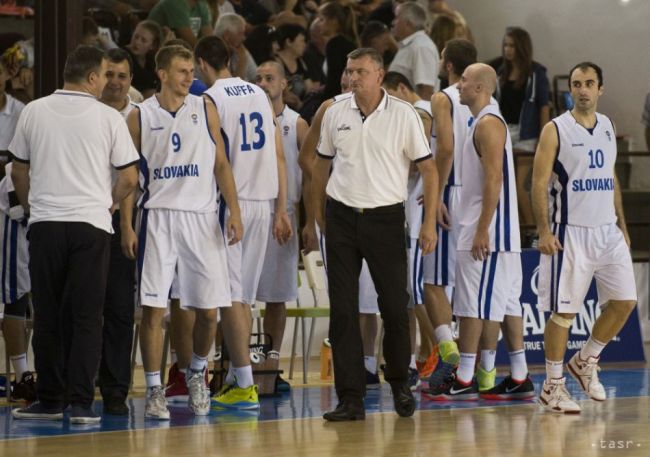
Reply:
x=176, y=142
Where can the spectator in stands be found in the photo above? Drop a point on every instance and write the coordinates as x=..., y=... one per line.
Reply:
x=339, y=26
x=646, y=121
x=262, y=43
x=231, y=28
x=188, y=19
x=252, y=11
x=417, y=57
x=292, y=40
x=147, y=38
x=385, y=12
x=439, y=8
x=377, y=35
x=314, y=55
x=89, y=32
x=443, y=29
x=523, y=94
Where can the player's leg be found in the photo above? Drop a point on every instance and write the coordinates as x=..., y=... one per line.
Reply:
x=181, y=325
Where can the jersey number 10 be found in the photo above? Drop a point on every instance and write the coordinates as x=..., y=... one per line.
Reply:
x=258, y=137
x=596, y=159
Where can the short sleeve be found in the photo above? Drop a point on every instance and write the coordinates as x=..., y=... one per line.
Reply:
x=19, y=146
x=123, y=152
x=206, y=16
x=325, y=148
x=177, y=14
x=646, y=112
x=425, y=65
x=416, y=145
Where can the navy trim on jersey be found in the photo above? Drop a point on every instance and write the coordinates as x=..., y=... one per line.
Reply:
x=490, y=285
x=480, y=289
x=142, y=241
x=4, y=260
x=13, y=263
x=18, y=159
x=560, y=259
x=415, y=285
x=428, y=156
x=144, y=170
x=207, y=123
x=226, y=143
x=451, y=181
x=445, y=241
x=222, y=216
x=557, y=132
x=122, y=167
x=563, y=179
x=497, y=227
x=506, y=202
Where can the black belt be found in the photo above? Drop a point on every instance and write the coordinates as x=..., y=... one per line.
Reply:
x=376, y=210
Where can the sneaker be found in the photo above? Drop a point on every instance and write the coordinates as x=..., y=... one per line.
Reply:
x=235, y=397
x=449, y=352
x=82, y=415
x=38, y=410
x=429, y=364
x=414, y=379
x=281, y=385
x=586, y=373
x=25, y=389
x=115, y=406
x=509, y=389
x=156, y=404
x=442, y=372
x=556, y=398
x=452, y=390
x=372, y=381
x=199, y=394
x=176, y=389
x=486, y=379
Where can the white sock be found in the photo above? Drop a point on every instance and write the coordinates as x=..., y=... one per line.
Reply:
x=412, y=364
x=183, y=370
x=370, y=363
x=465, y=371
x=19, y=362
x=172, y=354
x=152, y=378
x=487, y=359
x=243, y=376
x=518, y=365
x=198, y=363
x=443, y=333
x=592, y=348
x=554, y=369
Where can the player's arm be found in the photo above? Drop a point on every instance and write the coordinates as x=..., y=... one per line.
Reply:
x=428, y=235
x=129, y=239
x=490, y=138
x=224, y=176
x=282, y=230
x=542, y=170
x=618, y=207
x=441, y=110
x=20, y=178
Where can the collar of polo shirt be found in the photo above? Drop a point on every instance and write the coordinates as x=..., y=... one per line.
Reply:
x=409, y=39
x=382, y=104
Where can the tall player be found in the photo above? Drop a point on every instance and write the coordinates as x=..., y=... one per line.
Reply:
x=254, y=147
x=587, y=237
x=279, y=278
x=181, y=154
x=488, y=263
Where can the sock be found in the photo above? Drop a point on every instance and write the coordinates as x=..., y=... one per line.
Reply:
x=173, y=356
x=274, y=355
x=465, y=371
x=243, y=376
x=487, y=359
x=592, y=348
x=217, y=353
x=554, y=369
x=19, y=362
x=230, y=376
x=443, y=333
x=152, y=379
x=371, y=363
x=198, y=363
x=518, y=365
x=412, y=364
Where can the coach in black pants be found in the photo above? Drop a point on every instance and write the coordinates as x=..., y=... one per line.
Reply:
x=65, y=146
x=374, y=139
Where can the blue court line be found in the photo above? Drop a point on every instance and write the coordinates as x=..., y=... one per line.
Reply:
x=307, y=402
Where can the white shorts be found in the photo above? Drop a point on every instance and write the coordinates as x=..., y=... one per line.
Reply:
x=488, y=289
x=246, y=258
x=440, y=265
x=367, y=293
x=188, y=243
x=279, y=278
x=415, y=271
x=589, y=252
x=15, y=260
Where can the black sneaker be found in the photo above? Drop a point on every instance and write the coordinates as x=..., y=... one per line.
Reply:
x=403, y=400
x=509, y=389
x=38, y=410
x=82, y=415
x=25, y=389
x=281, y=385
x=372, y=381
x=115, y=406
x=452, y=390
x=414, y=378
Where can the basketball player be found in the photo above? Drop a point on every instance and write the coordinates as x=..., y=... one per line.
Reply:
x=587, y=237
x=254, y=146
x=279, y=278
x=488, y=263
x=181, y=155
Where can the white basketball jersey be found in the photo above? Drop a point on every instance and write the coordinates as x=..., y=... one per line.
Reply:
x=177, y=156
x=288, y=120
x=461, y=118
x=582, y=185
x=504, y=227
x=415, y=211
x=247, y=126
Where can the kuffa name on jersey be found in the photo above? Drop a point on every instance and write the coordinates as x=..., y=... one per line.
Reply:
x=592, y=184
x=234, y=91
x=176, y=171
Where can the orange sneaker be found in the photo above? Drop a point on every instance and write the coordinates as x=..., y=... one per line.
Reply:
x=430, y=364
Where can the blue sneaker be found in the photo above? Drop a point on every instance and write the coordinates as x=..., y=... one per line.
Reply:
x=441, y=373
x=372, y=381
x=414, y=378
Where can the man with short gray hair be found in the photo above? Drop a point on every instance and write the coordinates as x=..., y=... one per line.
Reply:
x=417, y=57
x=231, y=28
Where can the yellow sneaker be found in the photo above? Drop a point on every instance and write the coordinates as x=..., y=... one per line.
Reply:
x=449, y=352
x=486, y=379
x=234, y=397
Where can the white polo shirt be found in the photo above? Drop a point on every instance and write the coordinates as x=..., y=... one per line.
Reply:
x=8, y=120
x=371, y=156
x=70, y=140
x=418, y=59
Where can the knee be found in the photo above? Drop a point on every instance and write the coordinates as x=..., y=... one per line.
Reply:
x=563, y=320
x=152, y=317
x=206, y=316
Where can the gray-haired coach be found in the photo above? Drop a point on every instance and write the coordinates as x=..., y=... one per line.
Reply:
x=372, y=140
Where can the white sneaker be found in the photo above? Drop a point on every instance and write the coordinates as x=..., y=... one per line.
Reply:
x=156, y=406
x=586, y=373
x=199, y=398
x=554, y=397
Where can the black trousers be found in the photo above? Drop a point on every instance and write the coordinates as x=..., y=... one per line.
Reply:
x=119, y=307
x=68, y=266
x=379, y=237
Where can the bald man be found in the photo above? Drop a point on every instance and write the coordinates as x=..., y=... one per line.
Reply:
x=488, y=266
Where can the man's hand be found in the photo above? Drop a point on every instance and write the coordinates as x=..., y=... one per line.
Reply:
x=428, y=238
x=549, y=244
x=235, y=229
x=443, y=216
x=481, y=245
x=282, y=230
x=129, y=243
x=309, y=238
